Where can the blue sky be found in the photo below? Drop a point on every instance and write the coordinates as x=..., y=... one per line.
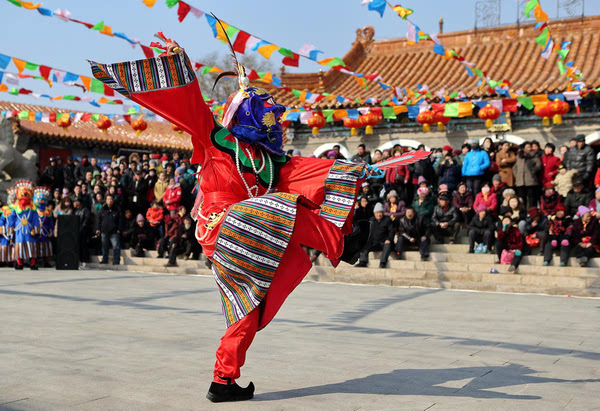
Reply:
x=330, y=25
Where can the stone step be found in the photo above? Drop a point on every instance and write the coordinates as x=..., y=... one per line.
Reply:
x=149, y=269
x=495, y=286
x=150, y=261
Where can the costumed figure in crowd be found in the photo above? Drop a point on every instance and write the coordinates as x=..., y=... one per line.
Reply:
x=25, y=225
x=256, y=206
x=6, y=232
x=41, y=195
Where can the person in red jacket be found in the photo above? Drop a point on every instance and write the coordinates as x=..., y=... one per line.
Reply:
x=550, y=164
x=155, y=218
x=171, y=237
x=549, y=200
x=488, y=199
x=172, y=197
x=510, y=239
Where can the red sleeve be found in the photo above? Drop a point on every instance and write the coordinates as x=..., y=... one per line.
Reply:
x=597, y=179
x=493, y=201
x=167, y=86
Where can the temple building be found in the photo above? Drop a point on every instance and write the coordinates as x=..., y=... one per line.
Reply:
x=507, y=52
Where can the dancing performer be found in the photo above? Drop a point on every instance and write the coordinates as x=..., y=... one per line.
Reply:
x=25, y=225
x=256, y=206
x=6, y=233
x=41, y=195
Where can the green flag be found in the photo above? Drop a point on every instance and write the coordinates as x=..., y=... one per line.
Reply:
x=23, y=115
x=99, y=26
x=542, y=39
x=95, y=117
x=97, y=86
x=531, y=4
x=525, y=102
x=561, y=67
x=388, y=112
x=171, y=3
x=328, y=114
x=451, y=110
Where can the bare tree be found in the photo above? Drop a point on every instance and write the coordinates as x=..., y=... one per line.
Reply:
x=228, y=85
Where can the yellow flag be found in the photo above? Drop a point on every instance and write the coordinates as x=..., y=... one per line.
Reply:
x=465, y=109
x=267, y=50
x=29, y=5
x=20, y=64
x=149, y=3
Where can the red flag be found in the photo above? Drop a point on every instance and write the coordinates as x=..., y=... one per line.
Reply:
x=438, y=107
x=88, y=25
x=127, y=117
x=45, y=71
x=291, y=61
x=510, y=105
x=183, y=10
x=253, y=76
x=108, y=91
x=25, y=91
x=406, y=158
x=86, y=116
x=148, y=52
x=240, y=42
x=52, y=117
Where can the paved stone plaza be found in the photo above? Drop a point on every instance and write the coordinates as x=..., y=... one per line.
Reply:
x=109, y=340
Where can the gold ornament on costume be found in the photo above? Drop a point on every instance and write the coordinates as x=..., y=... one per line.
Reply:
x=269, y=119
x=24, y=221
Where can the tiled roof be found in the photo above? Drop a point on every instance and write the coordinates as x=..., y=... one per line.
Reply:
x=158, y=135
x=508, y=52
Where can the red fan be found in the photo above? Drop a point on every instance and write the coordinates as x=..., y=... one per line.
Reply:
x=404, y=159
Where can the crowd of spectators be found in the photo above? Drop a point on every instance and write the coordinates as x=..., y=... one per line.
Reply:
x=509, y=200
x=140, y=202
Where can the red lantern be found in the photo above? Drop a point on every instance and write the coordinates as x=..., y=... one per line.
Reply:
x=103, y=124
x=490, y=114
x=427, y=118
x=542, y=110
x=370, y=120
x=175, y=128
x=353, y=124
x=441, y=120
x=317, y=122
x=139, y=126
x=558, y=108
x=64, y=121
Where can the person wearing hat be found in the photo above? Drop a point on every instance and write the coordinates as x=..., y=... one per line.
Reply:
x=445, y=220
x=509, y=239
x=423, y=203
x=394, y=208
x=463, y=201
x=296, y=153
x=414, y=231
x=579, y=195
x=526, y=170
x=585, y=236
x=536, y=228
x=382, y=238
x=443, y=153
x=474, y=167
x=481, y=229
x=498, y=187
x=506, y=158
x=559, y=233
x=550, y=164
x=549, y=200
x=420, y=169
x=142, y=237
x=580, y=157
x=564, y=180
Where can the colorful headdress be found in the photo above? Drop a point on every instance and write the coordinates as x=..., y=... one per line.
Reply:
x=12, y=194
x=250, y=113
x=41, y=195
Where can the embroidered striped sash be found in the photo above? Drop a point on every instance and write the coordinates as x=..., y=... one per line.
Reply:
x=340, y=189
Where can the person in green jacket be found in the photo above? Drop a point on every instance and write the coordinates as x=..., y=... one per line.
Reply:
x=423, y=203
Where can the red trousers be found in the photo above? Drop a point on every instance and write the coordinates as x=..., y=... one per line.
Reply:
x=310, y=230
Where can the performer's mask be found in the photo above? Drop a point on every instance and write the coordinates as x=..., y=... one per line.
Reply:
x=257, y=120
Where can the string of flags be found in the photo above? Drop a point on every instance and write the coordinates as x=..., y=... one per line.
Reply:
x=545, y=41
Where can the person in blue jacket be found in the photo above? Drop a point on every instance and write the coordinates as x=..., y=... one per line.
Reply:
x=474, y=166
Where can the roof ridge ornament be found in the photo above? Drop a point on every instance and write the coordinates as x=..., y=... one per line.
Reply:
x=365, y=35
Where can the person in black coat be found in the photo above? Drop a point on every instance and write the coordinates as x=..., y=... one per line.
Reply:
x=449, y=172
x=85, y=229
x=142, y=237
x=138, y=191
x=382, y=238
x=69, y=173
x=128, y=223
x=445, y=219
x=110, y=225
x=481, y=229
x=579, y=195
x=413, y=230
x=189, y=244
x=363, y=210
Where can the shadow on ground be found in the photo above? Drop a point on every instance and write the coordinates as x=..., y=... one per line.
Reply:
x=427, y=382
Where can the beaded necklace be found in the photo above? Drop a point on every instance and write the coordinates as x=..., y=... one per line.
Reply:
x=256, y=172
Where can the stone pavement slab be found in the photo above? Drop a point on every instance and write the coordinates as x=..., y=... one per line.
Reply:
x=117, y=340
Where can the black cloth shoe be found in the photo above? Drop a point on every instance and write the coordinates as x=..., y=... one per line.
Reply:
x=356, y=242
x=33, y=267
x=361, y=264
x=103, y=262
x=18, y=267
x=229, y=392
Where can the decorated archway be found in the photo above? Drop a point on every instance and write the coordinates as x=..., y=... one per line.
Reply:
x=324, y=148
x=402, y=142
x=500, y=138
